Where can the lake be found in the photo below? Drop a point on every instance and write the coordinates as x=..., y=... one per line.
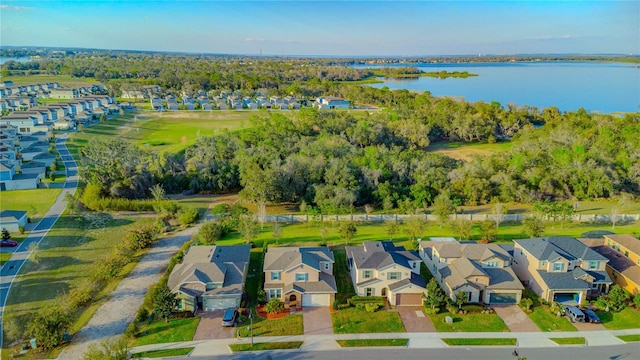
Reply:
x=601, y=87
x=20, y=59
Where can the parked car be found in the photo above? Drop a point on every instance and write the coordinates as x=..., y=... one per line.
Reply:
x=229, y=318
x=574, y=314
x=591, y=316
x=4, y=243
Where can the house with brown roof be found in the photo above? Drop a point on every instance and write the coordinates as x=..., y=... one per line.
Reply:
x=300, y=276
x=379, y=268
x=481, y=271
x=210, y=277
x=623, y=253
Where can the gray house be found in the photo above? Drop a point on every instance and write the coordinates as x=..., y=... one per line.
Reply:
x=13, y=219
x=210, y=277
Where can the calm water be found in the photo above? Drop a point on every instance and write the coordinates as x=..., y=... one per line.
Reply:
x=21, y=59
x=603, y=87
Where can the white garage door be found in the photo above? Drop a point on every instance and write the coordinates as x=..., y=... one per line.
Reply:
x=315, y=300
x=220, y=303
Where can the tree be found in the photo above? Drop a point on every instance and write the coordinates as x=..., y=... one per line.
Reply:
x=391, y=227
x=368, y=208
x=488, y=231
x=498, y=210
x=274, y=305
x=210, y=232
x=165, y=303
x=462, y=228
x=461, y=299
x=5, y=234
x=157, y=192
x=48, y=326
x=415, y=226
x=277, y=231
x=347, y=231
x=533, y=226
x=443, y=207
x=615, y=211
x=103, y=117
x=526, y=303
x=110, y=349
x=435, y=296
x=618, y=297
x=636, y=300
x=248, y=227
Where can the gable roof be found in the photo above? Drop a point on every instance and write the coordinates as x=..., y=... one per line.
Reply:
x=284, y=258
x=12, y=215
x=550, y=248
x=379, y=254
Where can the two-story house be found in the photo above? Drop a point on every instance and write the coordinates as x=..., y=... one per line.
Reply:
x=560, y=268
x=481, y=271
x=210, y=277
x=379, y=268
x=623, y=253
x=300, y=276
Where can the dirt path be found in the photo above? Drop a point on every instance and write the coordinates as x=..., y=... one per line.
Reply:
x=113, y=317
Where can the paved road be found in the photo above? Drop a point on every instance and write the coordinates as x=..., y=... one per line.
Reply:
x=113, y=317
x=21, y=253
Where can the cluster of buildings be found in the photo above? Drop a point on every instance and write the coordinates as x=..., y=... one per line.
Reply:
x=224, y=101
x=558, y=269
x=22, y=97
x=24, y=157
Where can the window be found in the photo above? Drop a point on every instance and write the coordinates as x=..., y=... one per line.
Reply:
x=326, y=266
x=492, y=264
x=302, y=276
x=543, y=263
x=593, y=265
x=393, y=275
x=558, y=267
x=370, y=291
x=275, y=275
x=366, y=274
x=413, y=265
x=180, y=304
x=275, y=293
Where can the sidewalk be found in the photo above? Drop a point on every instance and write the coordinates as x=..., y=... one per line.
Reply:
x=429, y=340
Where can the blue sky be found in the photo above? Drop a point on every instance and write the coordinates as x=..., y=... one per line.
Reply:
x=327, y=27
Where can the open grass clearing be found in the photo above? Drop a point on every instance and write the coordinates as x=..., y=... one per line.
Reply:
x=479, y=341
x=468, y=323
x=160, y=332
x=163, y=353
x=569, y=341
x=627, y=318
x=36, y=202
x=354, y=321
x=279, y=345
x=629, y=338
x=288, y=325
x=546, y=321
x=372, y=342
x=466, y=151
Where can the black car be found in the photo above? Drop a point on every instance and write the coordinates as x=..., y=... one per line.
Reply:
x=591, y=316
x=229, y=318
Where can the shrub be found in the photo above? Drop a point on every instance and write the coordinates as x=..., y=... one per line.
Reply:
x=21, y=229
x=142, y=315
x=430, y=311
x=81, y=294
x=210, y=232
x=221, y=209
x=371, y=307
x=472, y=308
x=48, y=326
x=274, y=305
x=166, y=207
x=261, y=296
x=109, y=266
x=188, y=217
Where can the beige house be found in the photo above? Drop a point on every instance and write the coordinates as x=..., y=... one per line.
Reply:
x=300, y=276
x=210, y=277
x=481, y=271
x=379, y=268
x=561, y=269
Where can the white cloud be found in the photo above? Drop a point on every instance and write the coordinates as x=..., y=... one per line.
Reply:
x=15, y=8
x=253, y=40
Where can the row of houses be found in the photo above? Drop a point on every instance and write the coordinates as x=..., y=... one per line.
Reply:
x=561, y=269
x=23, y=97
x=24, y=158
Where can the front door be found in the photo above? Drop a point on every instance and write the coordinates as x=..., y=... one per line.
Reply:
x=292, y=300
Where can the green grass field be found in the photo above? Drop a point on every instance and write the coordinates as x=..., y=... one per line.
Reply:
x=354, y=321
x=160, y=332
x=466, y=151
x=569, y=341
x=629, y=338
x=628, y=318
x=36, y=202
x=469, y=323
x=163, y=353
x=288, y=325
x=372, y=342
x=547, y=321
x=479, y=341
x=277, y=345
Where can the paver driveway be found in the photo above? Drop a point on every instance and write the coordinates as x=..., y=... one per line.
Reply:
x=515, y=319
x=210, y=326
x=317, y=321
x=414, y=319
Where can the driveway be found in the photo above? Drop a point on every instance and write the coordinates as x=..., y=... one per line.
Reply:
x=515, y=319
x=414, y=319
x=317, y=320
x=210, y=326
x=589, y=326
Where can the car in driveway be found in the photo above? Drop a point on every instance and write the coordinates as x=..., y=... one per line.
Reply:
x=574, y=314
x=4, y=243
x=229, y=318
x=591, y=316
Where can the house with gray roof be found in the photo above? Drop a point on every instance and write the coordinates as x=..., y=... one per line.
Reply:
x=561, y=269
x=482, y=272
x=300, y=276
x=210, y=277
x=379, y=268
x=12, y=220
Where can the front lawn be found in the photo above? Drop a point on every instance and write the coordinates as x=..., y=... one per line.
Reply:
x=288, y=325
x=479, y=341
x=354, y=321
x=266, y=346
x=469, y=323
x=175, y=330
x=629, y=338
x=547, y=321
x=36, y=202
x=628, y=318
x=569, y=341
x=372, y=342
x=163, y=353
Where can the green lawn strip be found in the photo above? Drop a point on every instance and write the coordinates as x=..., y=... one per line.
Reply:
x=372, y=342
x=469, y=323
x=175, y=330
x=547, y=321
x=479, y=341
x=163, y=353
x=343, y=279
x=627, y=318
x=4, y=257
x=354, y=321
x=630, y=338
x=289, y=325
x=64, y=80
x=569, y=341
x=36, y=202
x=266, y=346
